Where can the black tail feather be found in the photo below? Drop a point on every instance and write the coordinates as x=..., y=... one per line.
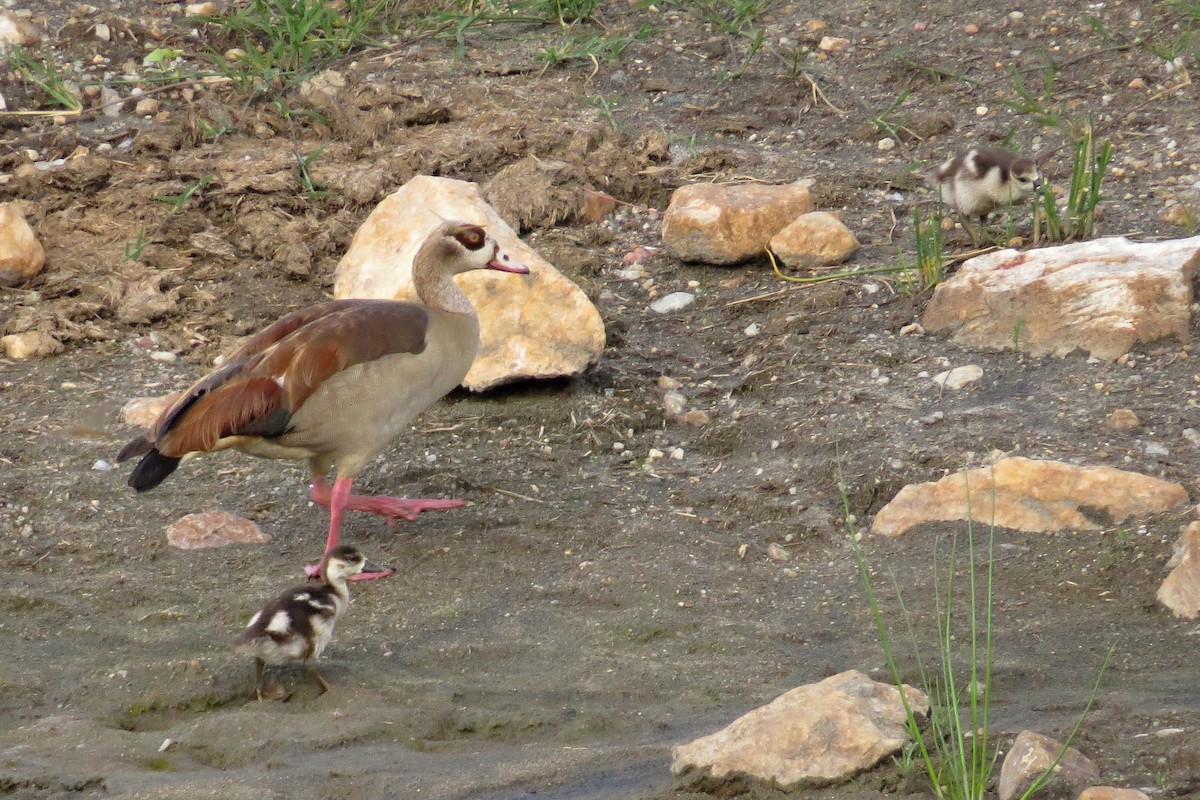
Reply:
x=136, y=447
x=152, y=470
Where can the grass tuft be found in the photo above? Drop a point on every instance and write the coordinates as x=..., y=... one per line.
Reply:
x=45, y=75
x=956, y=753
x=1078, y=217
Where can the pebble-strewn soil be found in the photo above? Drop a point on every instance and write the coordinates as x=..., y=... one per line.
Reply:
x=593, y=605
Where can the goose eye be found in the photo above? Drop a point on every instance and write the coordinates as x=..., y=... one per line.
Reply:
x=470, y=237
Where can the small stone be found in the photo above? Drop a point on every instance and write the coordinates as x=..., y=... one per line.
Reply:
x=1122, y=419
x=654, y=453
x=887, y=143
x=1031, y=755
x=15, y=30
x=833, y=44
x=815, y=25
x=815, y=239
x=667, y=383
x=675, y=301
x=1137, y=83
x=1112, y=793
x=110, y=102
x=1180, y=591
x=676, y=454
x=970, y=29
x=1157, y=450
x=958, y=377
x=102, y=466
x=696, y=417
x=981, y=111
x=103, y=32
x=21, y=254
x=146, y=107
x=214, y=8
x=144, y=411
x=912, y=329
x=777, y=553
x=673, y=403
x=213, y=529
x=165, y=356
x=751, y=329
x=30, y=344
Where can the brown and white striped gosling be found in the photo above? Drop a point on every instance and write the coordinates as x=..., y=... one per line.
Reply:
x=983, y=179
x=298, y=624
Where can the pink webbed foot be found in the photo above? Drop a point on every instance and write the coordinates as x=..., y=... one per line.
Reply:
x=389, y=508
x=393, y=508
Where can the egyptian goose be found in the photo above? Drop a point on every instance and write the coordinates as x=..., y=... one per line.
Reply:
x=336, y=382
x=298, y=624
x=980, y=180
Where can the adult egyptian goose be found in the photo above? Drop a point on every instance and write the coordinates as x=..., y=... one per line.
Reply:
x=983, y=179
x=336, y=382
x=298, y=624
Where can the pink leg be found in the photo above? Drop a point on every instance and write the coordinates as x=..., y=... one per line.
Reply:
x=387, y=507
x=339, y=499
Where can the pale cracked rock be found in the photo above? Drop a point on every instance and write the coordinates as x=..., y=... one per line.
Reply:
x=1102, y=296
x=817, y=733
x=213, y=529
x=1180, y=592
x=144, y=411
x=1031, y=754
x=1031, y=495
x=30, y=344
x=21, y=254
x=729, y=223
x=816, y=239
x=15, y=31
x=958, y=377
x=539, y=325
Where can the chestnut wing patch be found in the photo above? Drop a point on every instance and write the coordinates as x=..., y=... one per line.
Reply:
x=272, y=375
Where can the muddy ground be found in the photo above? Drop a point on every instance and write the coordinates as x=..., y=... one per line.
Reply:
x=589, y=607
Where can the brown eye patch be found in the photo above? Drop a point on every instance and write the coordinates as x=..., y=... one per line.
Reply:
x=470, y=236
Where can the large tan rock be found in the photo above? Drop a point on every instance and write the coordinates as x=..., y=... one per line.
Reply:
x=729, y=223
x=816, y=239
x=1030, y=495
x=1031, y=755
x=537, y=326
x=21, y=254
x=816, y=733
x=1180, y=592
x=1102, y=296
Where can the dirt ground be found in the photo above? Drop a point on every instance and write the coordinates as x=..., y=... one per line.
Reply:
x=591, y=606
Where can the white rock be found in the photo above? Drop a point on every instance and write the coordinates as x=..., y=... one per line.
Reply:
x=958, y=377
x=1031, y=755
x=1180, y=592
x=751, y=329
x=1101, y=296
x=817, y=733
x=675, y=301
x=1030, y=495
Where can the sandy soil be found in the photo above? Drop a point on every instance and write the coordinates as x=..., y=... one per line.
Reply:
x=589, y=607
